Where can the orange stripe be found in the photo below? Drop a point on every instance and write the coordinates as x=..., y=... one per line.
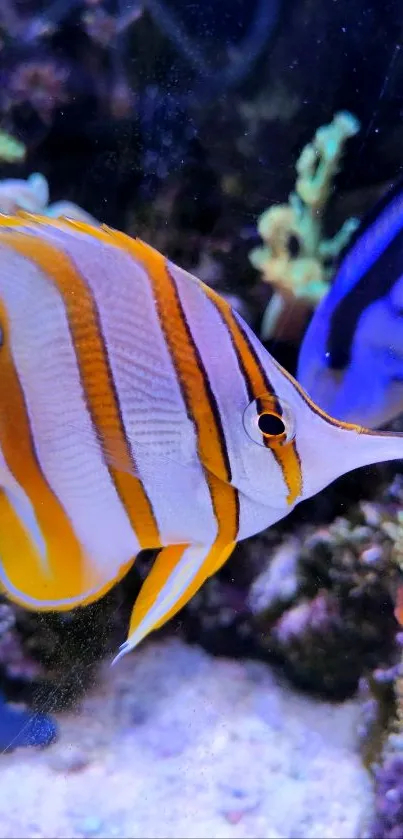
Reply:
x=23, y=569
x=256, y=379
x=112, y=237
x=258, y=384
x=194, y=383
x=68, y=574
x=186, y=359
x=96, y=376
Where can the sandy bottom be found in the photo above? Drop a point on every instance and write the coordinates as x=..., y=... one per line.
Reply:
x=173, y=743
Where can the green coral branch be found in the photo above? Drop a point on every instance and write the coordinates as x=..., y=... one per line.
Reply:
x=294, y=255
x=319, y=161
x=11, y=150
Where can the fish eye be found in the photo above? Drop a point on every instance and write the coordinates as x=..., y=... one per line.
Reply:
x=267, y=421
x=271, y=425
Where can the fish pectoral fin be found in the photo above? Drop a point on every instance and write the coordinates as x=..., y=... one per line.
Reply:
x=177, y=574
x=52, y=573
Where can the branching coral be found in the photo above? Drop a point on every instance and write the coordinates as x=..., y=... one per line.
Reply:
x=295, y=256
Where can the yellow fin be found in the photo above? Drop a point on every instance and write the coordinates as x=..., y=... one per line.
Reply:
x=177, y=574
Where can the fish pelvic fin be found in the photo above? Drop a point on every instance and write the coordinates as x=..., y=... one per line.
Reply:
x=177, y=574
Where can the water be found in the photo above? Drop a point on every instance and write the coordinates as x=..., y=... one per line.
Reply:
x=250, y=143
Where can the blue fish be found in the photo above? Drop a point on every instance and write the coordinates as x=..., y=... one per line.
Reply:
x=351, y=358
x=24, y=728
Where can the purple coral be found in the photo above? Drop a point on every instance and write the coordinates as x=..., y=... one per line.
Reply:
x=317, y=615
x=42, y=85
x=388, y=819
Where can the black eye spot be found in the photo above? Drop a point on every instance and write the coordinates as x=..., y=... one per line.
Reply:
x=271, y=425
x=337, y=359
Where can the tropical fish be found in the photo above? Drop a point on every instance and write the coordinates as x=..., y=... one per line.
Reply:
x=351, y=357
x=21, y=727
x=140, y=411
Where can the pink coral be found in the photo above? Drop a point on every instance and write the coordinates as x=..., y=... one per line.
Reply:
x=43, y=84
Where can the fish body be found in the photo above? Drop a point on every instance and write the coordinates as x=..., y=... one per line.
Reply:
x=139, y=411
x=351, y=357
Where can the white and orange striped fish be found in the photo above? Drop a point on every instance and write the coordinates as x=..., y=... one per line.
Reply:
x=139, y=411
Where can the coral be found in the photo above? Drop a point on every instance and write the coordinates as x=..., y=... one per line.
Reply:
x=295, y=256
x=377, y=710
x=387, y=817
x=388, y=820
x=103, y=28
x=16, y=663
x=218, y=619
x=317, y=649
x=318, y=602
x=220, y=615
x=62, y=57
x=387, y=764
x=11, y=150
x=64, y=67
x=319, y=161
x=315, y=598
x=341, y=623
x=40, y=84
x=32, y=196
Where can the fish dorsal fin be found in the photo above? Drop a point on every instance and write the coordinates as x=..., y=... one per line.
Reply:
x=27, y=220
x=136, y=247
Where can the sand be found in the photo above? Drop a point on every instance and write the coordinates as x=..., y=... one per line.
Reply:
x=173, y=743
